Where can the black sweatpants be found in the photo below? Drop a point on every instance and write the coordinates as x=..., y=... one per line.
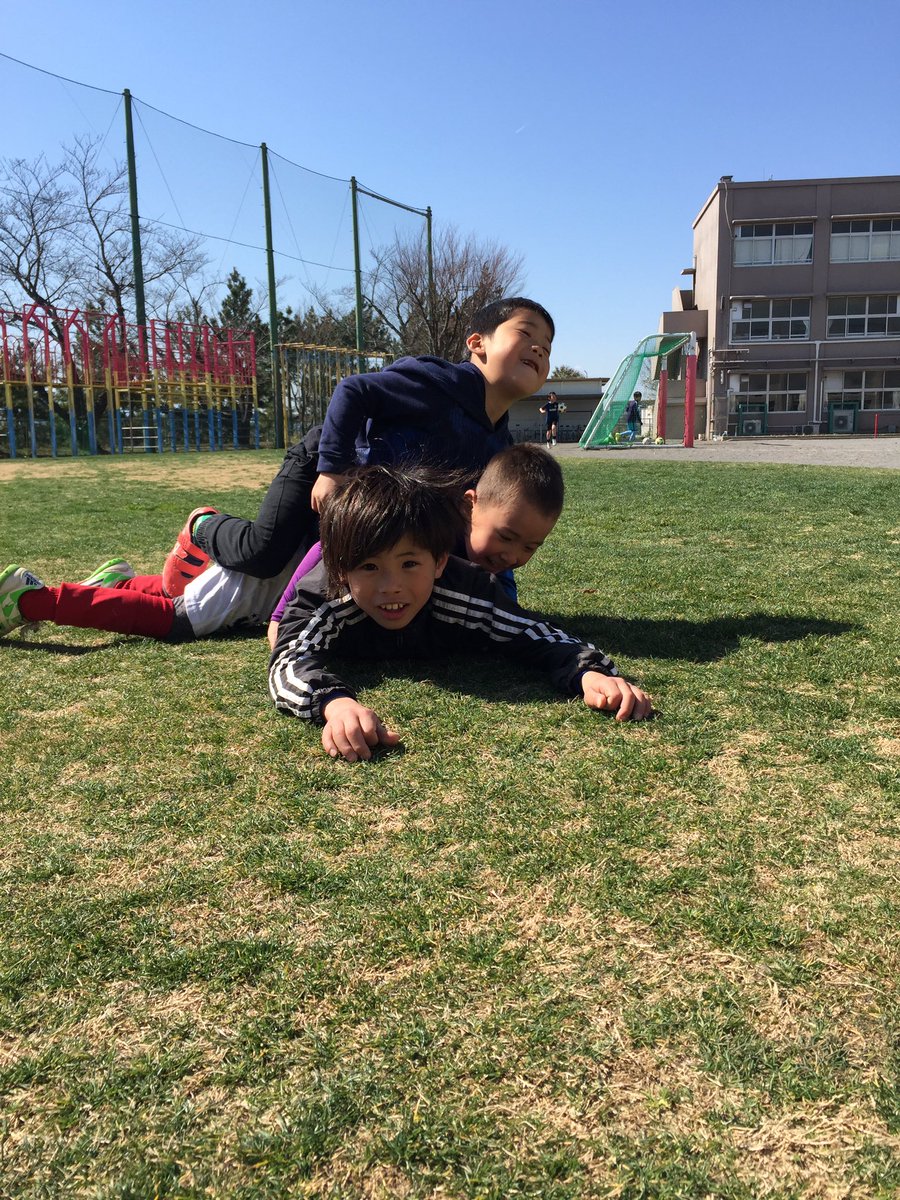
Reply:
x=285, y=519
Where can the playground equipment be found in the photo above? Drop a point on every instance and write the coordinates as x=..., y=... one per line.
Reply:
x=147, y=381
x=601, y=428
x=309, y=375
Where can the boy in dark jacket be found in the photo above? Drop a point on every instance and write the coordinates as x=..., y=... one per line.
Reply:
x=451, y=415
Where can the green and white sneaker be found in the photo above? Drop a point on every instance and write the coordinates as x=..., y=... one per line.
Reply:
x=108, y=574
x=13, y=582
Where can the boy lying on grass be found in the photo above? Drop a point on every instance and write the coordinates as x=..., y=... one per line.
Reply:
x=510, y=512
x=387, y=587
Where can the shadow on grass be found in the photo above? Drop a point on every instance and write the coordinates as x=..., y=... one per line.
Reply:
x=694, y=641
x=56, y=647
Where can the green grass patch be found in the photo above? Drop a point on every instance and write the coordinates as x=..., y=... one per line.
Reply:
x=536, y=953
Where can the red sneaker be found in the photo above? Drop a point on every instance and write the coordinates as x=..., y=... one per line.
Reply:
x=185, y=560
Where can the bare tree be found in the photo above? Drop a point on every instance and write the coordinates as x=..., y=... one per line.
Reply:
x=172, y=261
x=37, y=221
x=467, y=275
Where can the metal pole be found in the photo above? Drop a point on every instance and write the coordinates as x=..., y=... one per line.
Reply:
x=357, y=269
x=273, y=306
x=662, y=399
x=140, y=310
x=432, y=319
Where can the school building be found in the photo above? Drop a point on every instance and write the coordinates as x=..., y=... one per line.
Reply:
x=794, y=297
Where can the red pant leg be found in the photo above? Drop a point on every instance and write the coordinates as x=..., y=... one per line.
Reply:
x=115, y=609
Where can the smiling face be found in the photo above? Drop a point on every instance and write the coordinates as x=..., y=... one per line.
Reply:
x=515, y=358
x=505, y=534
x=394, y=586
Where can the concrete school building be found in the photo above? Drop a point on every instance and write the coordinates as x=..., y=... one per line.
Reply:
x=794, y=297
x=580, y=396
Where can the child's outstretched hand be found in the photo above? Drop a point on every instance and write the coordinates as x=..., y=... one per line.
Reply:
x=352, y=731
x=613, y=694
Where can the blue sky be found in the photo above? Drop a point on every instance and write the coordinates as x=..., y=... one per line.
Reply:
x=583, y=135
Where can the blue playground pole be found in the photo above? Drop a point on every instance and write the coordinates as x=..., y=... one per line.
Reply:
x=112, y=432
x=52, y=415
x=119, y=439
x=184, y=421
x=11, y=431
x=73, y=432
x=172, y=429
x=211, y=422
x=92, y=433
x=159, y=431
x=219, y=429
x=234, y=428
x=197, y=428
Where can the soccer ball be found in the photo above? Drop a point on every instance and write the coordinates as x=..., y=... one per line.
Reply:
x=645, y=441
x=660, y=441
x=563, y=407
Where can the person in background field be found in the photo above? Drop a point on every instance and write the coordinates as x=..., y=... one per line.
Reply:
x=426, y=409
x=551, y=408
x=633, y=415
x=388, y=588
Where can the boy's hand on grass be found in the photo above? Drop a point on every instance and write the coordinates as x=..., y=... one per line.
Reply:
x=322, y=489
x=613, y=694
x=351, y=730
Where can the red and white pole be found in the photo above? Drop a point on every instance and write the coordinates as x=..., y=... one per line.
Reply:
x=690, y=390
x=662, y=399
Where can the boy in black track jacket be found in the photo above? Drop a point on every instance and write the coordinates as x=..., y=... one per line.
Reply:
x=387, y=588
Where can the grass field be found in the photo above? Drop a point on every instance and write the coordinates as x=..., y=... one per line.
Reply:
x=533, y=954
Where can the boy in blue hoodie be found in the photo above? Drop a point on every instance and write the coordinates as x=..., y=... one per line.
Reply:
x=452, y=415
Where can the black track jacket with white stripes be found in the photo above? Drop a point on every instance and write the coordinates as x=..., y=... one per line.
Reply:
x=468, y=612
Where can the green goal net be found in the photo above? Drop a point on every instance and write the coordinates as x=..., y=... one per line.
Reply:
x=600, y=430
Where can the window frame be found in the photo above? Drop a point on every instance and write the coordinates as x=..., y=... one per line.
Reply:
x=777, y=237
x=864, y=318
x=868, y=387
x=768, y=394
x=860, y=232
x=751, y=318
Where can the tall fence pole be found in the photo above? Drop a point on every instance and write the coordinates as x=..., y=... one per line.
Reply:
x=140, y=308
x=357, y=268
x=431, y=304
x=273, y=306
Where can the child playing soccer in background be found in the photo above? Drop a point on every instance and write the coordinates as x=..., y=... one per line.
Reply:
x=388, y=588
x=424, y=409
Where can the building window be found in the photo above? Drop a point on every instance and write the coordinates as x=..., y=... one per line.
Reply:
x=769, y=320
x=774, y=243
x=870, y=389
x=863, y=316
x=875, y=239
x=782, y=391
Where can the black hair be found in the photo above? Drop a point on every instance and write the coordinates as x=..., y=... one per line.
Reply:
x=486, y=320
x=523, y=472
x=375, y=507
